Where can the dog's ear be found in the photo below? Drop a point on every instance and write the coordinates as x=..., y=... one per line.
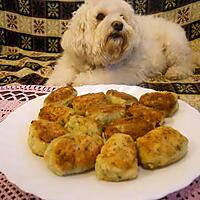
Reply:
x=64, y=40
x=74, y=38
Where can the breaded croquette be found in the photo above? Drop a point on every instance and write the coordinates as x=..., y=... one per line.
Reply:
x=163, y=101
x=129, y=125
x=73, y=153
x=83, y=102
x=120, y=98
x=41, y=133
x=161, y=147
x=147, y=113
x=118, y=159
x=111, y=131
x=57, y=113
x=61, y=96
x=81, y=124
x=105, y=114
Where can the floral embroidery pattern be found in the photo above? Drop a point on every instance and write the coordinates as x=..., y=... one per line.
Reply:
x=53, y=45
x=14, y=56
x=11, y=21
x=183, y=15
x=195, y=30
x=2, y=37
x=24, y=7
x=52, y=9
x=169, y=4
x=64, y=26
x=185, y=88
x=39, y=26
x=140, y=6
x=26, y=42
x=33, y=65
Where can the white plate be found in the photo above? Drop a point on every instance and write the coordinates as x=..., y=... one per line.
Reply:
x=30, y=173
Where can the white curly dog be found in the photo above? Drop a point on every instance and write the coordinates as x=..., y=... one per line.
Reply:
x=107, y=43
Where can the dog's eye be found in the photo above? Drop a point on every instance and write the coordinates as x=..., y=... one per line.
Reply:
x=122, y=16
x=100, y=16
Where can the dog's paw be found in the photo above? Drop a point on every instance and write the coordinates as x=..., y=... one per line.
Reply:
x=176, y=73
x=83, y=79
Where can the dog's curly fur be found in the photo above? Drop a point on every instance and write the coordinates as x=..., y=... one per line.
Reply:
x=97, y=51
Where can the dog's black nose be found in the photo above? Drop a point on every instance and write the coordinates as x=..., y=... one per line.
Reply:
x=117, y=26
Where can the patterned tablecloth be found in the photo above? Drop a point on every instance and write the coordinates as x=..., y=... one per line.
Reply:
x=12, y=97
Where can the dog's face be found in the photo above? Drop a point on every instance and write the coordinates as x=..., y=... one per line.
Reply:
x=103, y=31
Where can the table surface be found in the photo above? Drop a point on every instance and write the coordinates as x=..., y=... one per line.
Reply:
x=11, y=97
